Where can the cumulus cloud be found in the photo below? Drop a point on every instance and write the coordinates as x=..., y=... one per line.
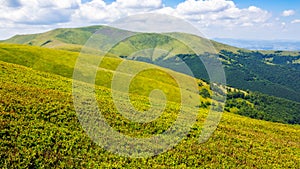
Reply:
x=287, y=13
x=138, y=4
x=206, y=12
x=99, y=11
x=10, y=3
x=295, y=21
x=191, y=7
x=218, y=12
x=38, y=12
x=96, y=11
x=51, y=13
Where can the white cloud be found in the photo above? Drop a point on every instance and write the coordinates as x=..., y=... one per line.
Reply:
x=50, y=4
x=137, y=4
x=283, y=25
x=191, y=7
x=219, y=12
x=287, y=13
x=97, y=11
x=10, y=3
x=214, y=16
x=295, y=21
x=38, y=12
x=207, y=12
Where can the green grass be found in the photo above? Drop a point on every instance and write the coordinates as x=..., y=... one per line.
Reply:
x=282, y=53
x=166, y=46
x=74, y=38
x=64, y=36
x=62, y=63
x=39, y=129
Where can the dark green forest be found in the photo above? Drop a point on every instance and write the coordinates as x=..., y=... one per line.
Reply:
x=245, y=70
x=263, y=107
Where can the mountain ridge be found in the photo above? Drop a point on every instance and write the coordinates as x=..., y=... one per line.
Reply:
x=236, y=61
x=60, y=34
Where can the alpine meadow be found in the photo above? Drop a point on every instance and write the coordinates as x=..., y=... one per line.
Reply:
x=40, y=128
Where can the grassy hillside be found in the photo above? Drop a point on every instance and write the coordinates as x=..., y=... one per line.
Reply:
x=73, y=39
x=59, y=38
x=39, y=128
x=248, y=70
x=62, y=63
x=249, y=73
x=275, y=72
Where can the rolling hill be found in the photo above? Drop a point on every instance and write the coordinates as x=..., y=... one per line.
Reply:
x=73, y=38
x=62, y=63
x=274, y=73
x=40, y=128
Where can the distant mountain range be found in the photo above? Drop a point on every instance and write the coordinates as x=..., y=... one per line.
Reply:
x=262, y=44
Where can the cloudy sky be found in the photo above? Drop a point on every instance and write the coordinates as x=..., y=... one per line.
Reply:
x=239, y=19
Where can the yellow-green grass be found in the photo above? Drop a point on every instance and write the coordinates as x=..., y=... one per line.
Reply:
x=56, y=37
x=63, y=62
x=39, y=129
x=282, y=53
x=74, y=38
x=297, y=61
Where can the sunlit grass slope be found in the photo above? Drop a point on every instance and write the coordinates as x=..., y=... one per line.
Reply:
x=39, y=129
x=68, y=38
x=245, y=69
x=74, y=38
x=63, y=62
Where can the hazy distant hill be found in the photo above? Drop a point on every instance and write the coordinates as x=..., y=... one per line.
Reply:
x=262, y=44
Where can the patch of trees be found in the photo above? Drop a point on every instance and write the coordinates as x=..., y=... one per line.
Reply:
x=204, y=93
x=244, y=70
x=263, y=107
x=251, y=72
x=45, y=43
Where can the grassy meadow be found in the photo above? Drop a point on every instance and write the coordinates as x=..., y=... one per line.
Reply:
x=40, y=127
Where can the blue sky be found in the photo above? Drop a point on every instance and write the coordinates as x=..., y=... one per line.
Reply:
x=276, y=6
x=266, y=4
x=238, y=19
